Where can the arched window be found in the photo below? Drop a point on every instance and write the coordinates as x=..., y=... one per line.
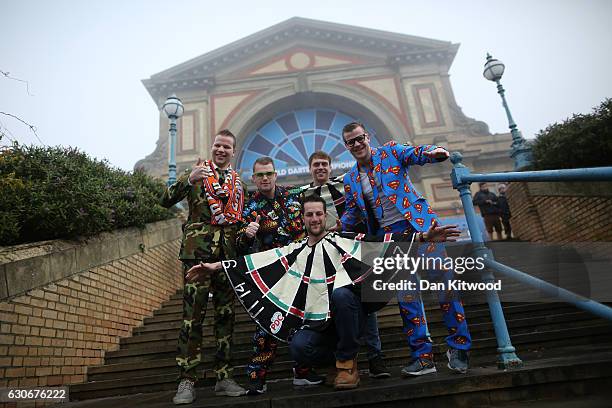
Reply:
x=291, y=137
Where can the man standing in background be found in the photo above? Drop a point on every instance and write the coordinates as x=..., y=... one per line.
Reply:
x=504, y=210
x=487, y=203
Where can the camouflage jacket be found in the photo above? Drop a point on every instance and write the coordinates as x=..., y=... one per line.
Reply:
x=201, y=240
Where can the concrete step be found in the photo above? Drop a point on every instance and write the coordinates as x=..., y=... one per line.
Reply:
x=162, y=318
x=389, y=322
x=597, y=401
x=387, y=325
x=539, y=331
x=164, y=322
x=483, y=354
x=175, y=325
x=395, y=348
x=387, y=318
x=563, y=378
x=390, y=326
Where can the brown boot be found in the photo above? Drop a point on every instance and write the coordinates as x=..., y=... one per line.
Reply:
x=348, y=376
x=330, y=378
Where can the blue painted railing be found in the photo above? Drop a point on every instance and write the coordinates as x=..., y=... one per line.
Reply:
x=461, y=178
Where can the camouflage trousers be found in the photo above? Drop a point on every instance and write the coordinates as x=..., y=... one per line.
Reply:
x=195, y=300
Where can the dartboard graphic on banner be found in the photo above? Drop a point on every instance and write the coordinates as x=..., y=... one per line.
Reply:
x=291, y=137
x=286, y=288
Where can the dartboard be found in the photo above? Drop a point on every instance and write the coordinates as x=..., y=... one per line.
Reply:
x=284, y=288
x=291, y=137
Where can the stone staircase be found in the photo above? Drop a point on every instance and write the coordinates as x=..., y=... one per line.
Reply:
x=567, y=353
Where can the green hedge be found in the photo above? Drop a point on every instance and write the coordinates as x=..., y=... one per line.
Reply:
x=55, y=192
x=584, y=140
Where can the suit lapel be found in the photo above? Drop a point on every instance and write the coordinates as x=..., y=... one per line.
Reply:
x=377, y=176
x=357, y=188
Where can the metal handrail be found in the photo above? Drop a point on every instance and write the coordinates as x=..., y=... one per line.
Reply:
x=461, y=178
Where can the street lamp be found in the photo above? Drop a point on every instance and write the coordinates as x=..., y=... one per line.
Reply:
x=520, y=152
x=173, y=107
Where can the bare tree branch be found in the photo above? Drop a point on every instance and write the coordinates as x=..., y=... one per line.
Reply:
x=32, y=127
x=3, y=132
x=27, y=84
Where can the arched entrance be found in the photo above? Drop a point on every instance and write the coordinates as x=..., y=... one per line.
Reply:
x=291, y=137
x=291, y=129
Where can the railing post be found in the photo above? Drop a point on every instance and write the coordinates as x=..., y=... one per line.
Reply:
x=507, y=358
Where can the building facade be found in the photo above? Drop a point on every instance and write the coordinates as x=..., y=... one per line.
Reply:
x=288, y=90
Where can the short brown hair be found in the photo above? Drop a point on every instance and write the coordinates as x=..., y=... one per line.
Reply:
x=314, y=198
x=263, y=161
x=226, y=132
x=349, y=127
x=319, y=154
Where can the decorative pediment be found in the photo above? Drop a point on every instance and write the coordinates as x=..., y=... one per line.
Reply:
x=300, y=59
x=299, y=44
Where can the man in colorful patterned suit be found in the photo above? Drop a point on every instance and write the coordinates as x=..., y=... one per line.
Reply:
x=378, y=191
x=215, y=197
x=273, y=218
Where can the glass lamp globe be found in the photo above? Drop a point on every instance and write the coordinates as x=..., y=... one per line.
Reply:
x=494, y=69
x=173, y=107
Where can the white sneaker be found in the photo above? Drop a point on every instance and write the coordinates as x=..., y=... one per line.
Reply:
x=185, y=393
x=229, y=388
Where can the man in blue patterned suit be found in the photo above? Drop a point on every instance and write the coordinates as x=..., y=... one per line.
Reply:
x=378, y=191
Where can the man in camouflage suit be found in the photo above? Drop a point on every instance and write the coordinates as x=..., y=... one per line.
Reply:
x=215, y=196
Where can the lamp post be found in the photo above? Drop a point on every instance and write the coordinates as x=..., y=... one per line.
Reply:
x=520, y=152
x=173, y=107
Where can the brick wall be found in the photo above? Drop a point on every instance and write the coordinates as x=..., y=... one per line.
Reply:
x=50, y=334
x=526, y=221
x=574, y=213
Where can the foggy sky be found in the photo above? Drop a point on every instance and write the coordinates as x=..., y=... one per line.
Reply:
x=84, y=60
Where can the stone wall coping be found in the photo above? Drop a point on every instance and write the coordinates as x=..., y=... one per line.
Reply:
x=571, y=188
x=33, y=265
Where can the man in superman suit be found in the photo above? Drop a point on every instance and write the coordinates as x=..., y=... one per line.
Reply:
x=378, y=191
